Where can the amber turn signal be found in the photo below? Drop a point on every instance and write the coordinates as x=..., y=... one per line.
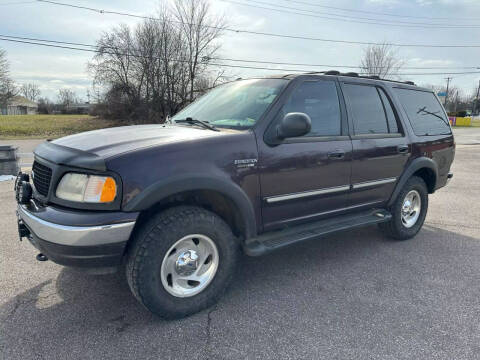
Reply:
x=109, y=190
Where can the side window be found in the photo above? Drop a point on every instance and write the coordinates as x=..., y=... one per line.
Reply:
x=424, y=112
x=367, y=109
x=391, y=118
x=319, y=100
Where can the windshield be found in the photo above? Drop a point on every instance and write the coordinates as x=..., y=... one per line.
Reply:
x=236, y=105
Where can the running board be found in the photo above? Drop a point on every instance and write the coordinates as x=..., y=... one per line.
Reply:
x=278, y=239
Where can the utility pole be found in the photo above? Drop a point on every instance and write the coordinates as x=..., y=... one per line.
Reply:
x=446, y=94
x=456, y=102
x=475, y=100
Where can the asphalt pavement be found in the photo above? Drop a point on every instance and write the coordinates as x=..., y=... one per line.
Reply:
x=24, y=151
x=354, y=295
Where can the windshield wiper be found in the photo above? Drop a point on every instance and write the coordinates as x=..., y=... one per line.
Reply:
x=191, y=121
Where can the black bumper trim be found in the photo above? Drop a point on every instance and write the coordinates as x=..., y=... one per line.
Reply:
x=108, y=255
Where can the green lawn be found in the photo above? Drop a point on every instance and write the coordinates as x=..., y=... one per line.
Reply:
x=48, y=126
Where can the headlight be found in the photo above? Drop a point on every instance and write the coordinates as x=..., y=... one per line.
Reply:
x=87, y=188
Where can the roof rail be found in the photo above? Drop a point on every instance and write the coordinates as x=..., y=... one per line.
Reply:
x=315, y=72
x=354, y=74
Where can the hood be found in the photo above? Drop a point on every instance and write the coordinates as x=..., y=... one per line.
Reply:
x=113, y=141
x=90, y=149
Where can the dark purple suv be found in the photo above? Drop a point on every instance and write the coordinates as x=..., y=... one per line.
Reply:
x=252, y=166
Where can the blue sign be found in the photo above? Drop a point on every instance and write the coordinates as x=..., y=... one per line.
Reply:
x=442, y=94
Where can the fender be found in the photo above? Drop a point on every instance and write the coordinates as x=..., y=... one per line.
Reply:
x=415, y=165
x=174, y=185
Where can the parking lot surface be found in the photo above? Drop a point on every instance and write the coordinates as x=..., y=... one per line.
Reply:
x=355, y=295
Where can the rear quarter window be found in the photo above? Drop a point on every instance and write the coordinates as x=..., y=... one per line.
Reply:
x=367, y=109
x=424, y=112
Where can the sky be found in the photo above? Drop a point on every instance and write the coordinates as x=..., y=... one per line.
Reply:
x=53, y=69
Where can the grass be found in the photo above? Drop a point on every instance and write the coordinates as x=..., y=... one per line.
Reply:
x=55, y=126
x=48, y=126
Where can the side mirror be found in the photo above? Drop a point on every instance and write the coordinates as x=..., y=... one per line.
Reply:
x=293, y=125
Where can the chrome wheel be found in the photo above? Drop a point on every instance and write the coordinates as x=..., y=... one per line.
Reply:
x=411, y=208
x=189, y=265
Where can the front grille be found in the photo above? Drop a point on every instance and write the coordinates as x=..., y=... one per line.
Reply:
x=42, y=175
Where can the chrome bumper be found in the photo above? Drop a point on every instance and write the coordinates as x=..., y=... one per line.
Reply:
x=75, y=235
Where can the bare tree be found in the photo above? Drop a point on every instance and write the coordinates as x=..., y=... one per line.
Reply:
x=201, y=30
x=4, y=66
x=381, y=60
x=45, y=106
x=154, y=69
x=66, y=98
x=7, y=86
x=207, y=81
x=8, y=90
x=31, y=91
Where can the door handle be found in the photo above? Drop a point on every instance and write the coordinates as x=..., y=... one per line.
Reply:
x=402, y=149
x=337, y=154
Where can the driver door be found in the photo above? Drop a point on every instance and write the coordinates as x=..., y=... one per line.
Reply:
x=306, y=178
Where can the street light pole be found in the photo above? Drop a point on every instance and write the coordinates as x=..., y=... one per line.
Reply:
x=475, y=100
x=446, y=94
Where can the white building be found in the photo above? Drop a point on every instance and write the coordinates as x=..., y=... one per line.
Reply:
x=19, y=105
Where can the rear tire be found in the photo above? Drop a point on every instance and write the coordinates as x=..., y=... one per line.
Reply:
x=177, y=245
x=408, y=211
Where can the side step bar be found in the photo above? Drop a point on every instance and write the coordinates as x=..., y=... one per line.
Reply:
x=278, y=239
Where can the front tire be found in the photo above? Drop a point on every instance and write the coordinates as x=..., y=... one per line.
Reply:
x=408, y=211
x=181, y=261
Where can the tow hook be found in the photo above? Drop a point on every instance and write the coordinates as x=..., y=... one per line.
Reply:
x=41, y=257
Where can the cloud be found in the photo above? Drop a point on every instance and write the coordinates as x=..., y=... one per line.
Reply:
x=424, y=2
x=383, y=2
x=430, y=62
x=56, y=68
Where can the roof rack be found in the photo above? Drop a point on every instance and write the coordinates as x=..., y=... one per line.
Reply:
x=315, y=72
x=332, y=72
x=376, y=77
x=351, y=74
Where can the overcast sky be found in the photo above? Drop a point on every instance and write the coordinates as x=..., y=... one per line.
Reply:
x=54, y=68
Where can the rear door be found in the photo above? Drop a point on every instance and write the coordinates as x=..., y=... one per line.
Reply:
x=308, y=177
x=380, y=145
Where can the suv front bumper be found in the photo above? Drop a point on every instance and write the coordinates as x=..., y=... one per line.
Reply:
x=96, y=246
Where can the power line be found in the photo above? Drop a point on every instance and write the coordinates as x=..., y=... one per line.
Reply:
x=17, y=3
x=245, y=60
x=377, y=22
x=284, y=36
x=215, y=64
x=48, y=41
x=343, y=66
x=140, y=56
x=377, y=13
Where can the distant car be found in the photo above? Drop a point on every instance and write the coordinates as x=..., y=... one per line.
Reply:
x=254, y=166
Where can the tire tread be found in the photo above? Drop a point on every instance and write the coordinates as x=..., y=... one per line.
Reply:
x=169, y=220
x=393, y=229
